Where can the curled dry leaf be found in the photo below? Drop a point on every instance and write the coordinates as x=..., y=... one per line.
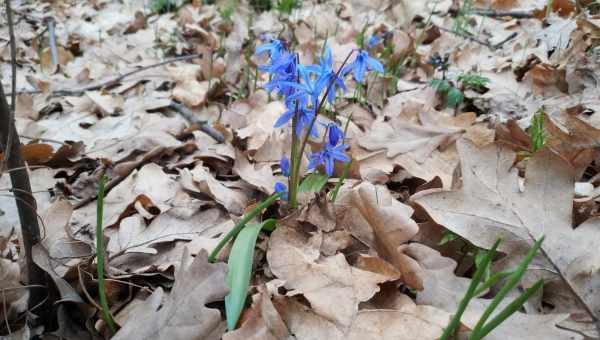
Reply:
x=373, y=216
x=263, y=323
x=182, y=314
x=490, y=204
x=199, y=179
x=261, y=177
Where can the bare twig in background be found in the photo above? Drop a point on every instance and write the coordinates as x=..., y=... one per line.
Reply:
x=476, y=40
x=13, y=83
x=26, y=204
x=202, y=125
x=115, y=80
x=51, y=24
x=510, y=14
x=118, y=79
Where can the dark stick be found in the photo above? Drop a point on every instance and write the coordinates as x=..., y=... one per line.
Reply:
x=26, y=205
x=511, y=14
x=13, y=83
x=202, y=125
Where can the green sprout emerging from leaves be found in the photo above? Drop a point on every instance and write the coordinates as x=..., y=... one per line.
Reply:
x=482, y=281
x=537, y=135
x=286, y=6
x=454, y=96
x=163, y=6
x=473, y=81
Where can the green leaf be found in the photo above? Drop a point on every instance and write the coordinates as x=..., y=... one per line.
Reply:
x=313, y=182
x=455, y=97
x=240, y=270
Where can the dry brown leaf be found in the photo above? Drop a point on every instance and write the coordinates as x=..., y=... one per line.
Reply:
x=260, y=177
x=377, y=219
x=182, y=314
x=199, y=179
x=412, y=322
x=400, y=138
x=264, y=322
x=490, y=204
x=330, y=284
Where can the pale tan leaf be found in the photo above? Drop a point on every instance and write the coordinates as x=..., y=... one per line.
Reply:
x=182, y=315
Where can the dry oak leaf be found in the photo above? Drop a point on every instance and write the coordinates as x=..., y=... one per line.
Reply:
x=490, y=204
x=400, y=137
x=182, y=314
x=410, y=322
x=377, y=219
x=260, y=177
x=263, y=322
x=444, y=290
x=330, y=284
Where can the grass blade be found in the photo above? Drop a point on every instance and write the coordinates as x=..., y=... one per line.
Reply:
x=485, y=262
x=240, y=270
x=508, y=311
x=510, y=284
x=491, y=281
x=100, y=257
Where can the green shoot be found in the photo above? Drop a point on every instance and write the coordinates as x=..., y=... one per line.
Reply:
x=100, y=257
x=242, y=223
x=360, y=38
x=454, y=323
x=483, y=328
x=286, y=6
x=227, y=12
x=473, y=81
x=261, y=5
x=453, y=95
x=314, y=182
x=538, y=136
x=163, y=6
x=461, y=22
x=513, y=280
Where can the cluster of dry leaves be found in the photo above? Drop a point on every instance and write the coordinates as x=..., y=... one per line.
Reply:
x=367, y=266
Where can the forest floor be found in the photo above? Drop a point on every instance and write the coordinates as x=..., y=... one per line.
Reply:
x=484, y=125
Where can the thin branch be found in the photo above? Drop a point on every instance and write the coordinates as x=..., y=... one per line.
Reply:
x=192, y=119
x=13, y=84
x=118, y=79
x=502, y=14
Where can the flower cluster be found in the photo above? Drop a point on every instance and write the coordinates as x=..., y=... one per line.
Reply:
x=304, y=89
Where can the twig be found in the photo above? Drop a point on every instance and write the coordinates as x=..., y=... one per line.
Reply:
x=468, y=37
x=13, y=84
x=51, y=24
x=202, y=124
x=118, y=79
x=26, y=205
x=495, y=14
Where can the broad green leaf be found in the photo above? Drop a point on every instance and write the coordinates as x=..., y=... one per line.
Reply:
x=240, y=270
x=313, y=182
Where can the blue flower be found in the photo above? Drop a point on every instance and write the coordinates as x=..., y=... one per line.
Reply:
x=305, y=116
x=334, y=133
x=275, y=48
x=281, y=188
x=328, y=156
x=328, y=77
x=361, y=65
x=373, y=41
x=285, y=166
